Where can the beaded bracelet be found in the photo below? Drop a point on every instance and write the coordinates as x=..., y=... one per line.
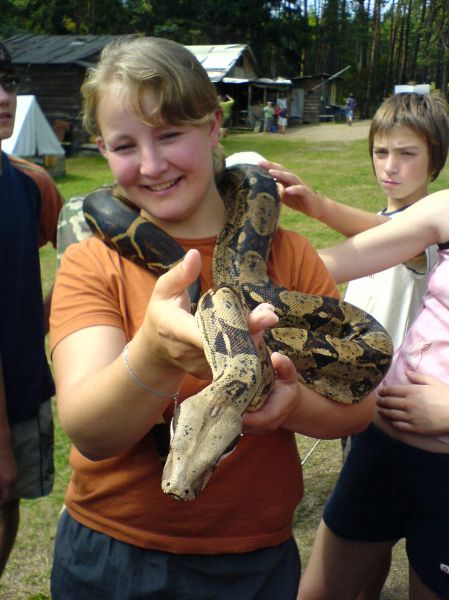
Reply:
x=141, y=384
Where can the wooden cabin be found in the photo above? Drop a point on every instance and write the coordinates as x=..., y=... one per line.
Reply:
x=315, y=98
x=53, y=67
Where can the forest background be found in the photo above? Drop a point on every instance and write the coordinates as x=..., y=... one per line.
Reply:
x=384, y=42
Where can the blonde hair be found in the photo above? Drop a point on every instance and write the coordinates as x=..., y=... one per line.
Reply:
x=425, y=115
x=181, y=87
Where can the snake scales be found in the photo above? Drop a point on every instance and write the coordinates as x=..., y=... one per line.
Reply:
x=338, y=350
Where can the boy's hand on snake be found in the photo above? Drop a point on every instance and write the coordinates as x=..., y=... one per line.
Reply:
x=293, y=191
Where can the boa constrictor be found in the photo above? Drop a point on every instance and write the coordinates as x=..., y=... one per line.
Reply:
x=338, y=350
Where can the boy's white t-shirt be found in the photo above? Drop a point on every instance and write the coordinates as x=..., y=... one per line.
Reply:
x=393, y=296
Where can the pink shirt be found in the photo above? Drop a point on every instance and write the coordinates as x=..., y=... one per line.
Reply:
x=425, y=348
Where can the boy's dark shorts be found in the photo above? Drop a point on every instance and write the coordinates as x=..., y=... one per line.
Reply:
x=88, y=564
x=388, y=490
x=33, y=445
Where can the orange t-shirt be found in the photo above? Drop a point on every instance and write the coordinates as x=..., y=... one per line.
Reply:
x=51, y=198
x=250, y=499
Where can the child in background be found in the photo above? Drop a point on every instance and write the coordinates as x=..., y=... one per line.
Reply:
x=156, y=117
x=408, y=145
x=394, y=483
x=268, y=117
x=408, y=142
x=282, y=114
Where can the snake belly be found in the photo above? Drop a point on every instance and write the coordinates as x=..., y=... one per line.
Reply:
x=339, y=350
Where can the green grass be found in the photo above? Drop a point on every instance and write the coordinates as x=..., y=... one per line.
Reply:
x=339, y=170
x=84, y=174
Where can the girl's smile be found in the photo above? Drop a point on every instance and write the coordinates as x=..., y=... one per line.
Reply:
x=166, y=171
x=162, y=187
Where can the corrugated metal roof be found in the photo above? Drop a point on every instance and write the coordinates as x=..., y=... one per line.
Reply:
x=272, y=82
x=55, y=49
x=218, y=60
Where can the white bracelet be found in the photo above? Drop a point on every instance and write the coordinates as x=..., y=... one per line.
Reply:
x=141, y=384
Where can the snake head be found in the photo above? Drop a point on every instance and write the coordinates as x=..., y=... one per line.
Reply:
x=203, y=434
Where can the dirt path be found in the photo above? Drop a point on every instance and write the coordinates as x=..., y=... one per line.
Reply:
x=324, y=132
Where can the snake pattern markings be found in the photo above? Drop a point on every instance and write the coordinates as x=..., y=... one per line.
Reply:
x=339, y=350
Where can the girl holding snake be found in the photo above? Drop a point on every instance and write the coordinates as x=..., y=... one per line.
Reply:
x=155, y=114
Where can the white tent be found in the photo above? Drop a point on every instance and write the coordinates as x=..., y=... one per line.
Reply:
x=32, y=135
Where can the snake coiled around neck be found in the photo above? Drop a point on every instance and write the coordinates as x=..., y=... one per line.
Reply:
x=339, y=350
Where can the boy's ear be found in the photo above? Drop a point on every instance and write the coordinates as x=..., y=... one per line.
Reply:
x=101, y=145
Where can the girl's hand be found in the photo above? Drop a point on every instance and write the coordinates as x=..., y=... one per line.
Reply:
x=295, y=407
x=279, y=404
x=293, y=192
x=421, y=407
x=170, y=330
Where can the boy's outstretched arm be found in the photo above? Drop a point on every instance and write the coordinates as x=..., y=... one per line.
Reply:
x=345, y=219
x=398, y=240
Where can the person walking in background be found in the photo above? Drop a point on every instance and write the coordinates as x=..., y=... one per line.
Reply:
x=268, y=114
x=226, y=105
x=350, y=105
x=282, y=118
x=277, y=111
x=29, y=207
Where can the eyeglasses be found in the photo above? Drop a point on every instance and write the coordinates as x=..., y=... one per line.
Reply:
x=9, y=83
